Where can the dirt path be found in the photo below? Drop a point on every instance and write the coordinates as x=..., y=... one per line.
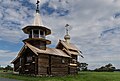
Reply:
x=5, y=79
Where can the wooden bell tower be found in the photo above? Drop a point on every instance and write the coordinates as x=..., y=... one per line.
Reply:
x=37, y=32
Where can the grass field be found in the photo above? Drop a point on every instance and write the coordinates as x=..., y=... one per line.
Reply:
x=82, y=76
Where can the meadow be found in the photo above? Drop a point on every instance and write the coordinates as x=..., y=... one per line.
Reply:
x=82, y=76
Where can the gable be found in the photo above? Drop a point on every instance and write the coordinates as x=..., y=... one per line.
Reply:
x=69, y=48
x=22, y=51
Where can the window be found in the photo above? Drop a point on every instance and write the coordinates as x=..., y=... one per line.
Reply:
x=31, y=32
x=74, y=61
x=36, y=33
x=41, y=33
x=29, y=59
x=30, y=35
x=63, y=61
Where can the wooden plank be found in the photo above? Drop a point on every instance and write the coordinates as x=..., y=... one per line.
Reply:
x=59, y=69
x=45, y=65
x=49, y=69
x=60, y=66
x=43, y=56
x=59, y=73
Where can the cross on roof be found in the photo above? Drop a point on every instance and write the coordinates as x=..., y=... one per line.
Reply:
x=37, y=10
x=66, y=26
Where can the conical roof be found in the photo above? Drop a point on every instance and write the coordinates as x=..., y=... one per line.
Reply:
x=37, y=20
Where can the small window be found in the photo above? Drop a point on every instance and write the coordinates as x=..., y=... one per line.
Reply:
x=30, y=32
x=30, y=35
x=41, y=33
x=63, y=61
x=36, y=32
x=29, y=59
x=74, y=61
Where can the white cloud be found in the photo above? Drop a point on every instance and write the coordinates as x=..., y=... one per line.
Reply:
x=11, y=35
x=6, y=57
x=13, y=16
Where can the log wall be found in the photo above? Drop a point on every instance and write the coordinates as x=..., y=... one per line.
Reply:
x=73, y=60
x=59, y=65
x=52, y=65
x=43, y=64
x=28, y=66
x=16, y=65
x=73, y=70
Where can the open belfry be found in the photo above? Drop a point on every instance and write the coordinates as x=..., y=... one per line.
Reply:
x=35, y=58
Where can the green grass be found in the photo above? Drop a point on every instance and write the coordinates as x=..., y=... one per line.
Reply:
x=82, y=76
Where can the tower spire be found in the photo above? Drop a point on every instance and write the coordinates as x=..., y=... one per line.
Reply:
x=67, y=36
x=37, y=19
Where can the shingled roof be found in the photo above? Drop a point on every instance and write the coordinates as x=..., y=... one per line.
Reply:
x=51, y=51
x=69, y=48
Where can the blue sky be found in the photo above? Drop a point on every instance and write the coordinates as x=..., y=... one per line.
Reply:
x=95, y=27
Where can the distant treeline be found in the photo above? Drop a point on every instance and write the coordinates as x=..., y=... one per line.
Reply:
x=117, y=70
x=107, y=68
x=8, y=67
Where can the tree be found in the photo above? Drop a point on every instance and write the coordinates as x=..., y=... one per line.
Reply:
x=1, y=68
x=8, y=67
x=109, y=68
x=108, y=65
x=82, y=66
